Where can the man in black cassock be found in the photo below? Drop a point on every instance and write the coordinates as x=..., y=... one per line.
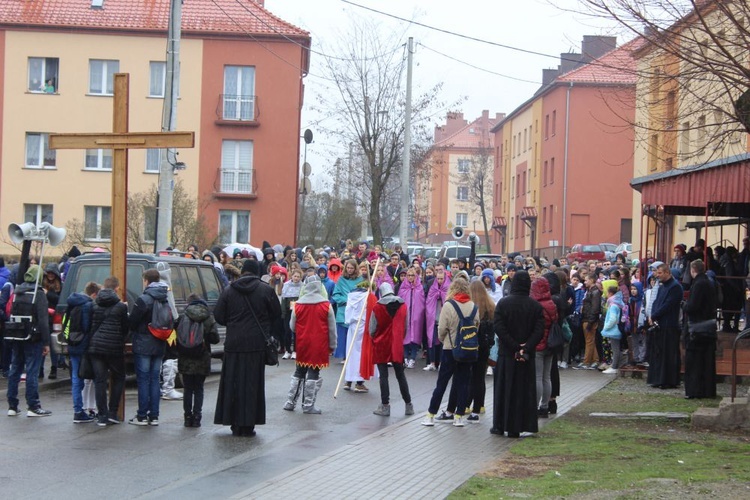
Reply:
x=700, y=346
x=664, y=349
x=519, y=326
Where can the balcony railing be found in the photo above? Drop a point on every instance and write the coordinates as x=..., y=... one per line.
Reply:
x=234, y=181
x=240, y=108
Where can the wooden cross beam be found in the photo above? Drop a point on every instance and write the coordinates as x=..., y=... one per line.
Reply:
x=120, y=141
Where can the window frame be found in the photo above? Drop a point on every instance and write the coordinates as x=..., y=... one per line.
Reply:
x=151, y=66
x=462, y=190
x=464, y=216
x=463, y=165
x=39, y=209
x=105, y=81
x=234, y=225
x=43, y=77
x=43, y=147
x=239, y=99
x=99, y=160
x=238, y=170
x=152, y=151
x=100, y=223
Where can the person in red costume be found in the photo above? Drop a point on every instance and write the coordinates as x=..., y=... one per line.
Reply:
x=314, y=325
x=387, y=327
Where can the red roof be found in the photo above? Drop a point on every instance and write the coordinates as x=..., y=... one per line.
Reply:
x=199, y=16
x=616, y=66
x=473, y=135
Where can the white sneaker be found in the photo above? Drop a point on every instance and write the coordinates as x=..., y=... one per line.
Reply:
x=610, y=371
x=459, y=421
x=294, y=355
x=429, y=420
x=489, y=371
x=429, y=368
x=285, y=356
x=172, y=395
x=563, y=365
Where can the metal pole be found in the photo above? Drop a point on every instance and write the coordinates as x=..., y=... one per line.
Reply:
x=405, y=185
x=565, y=170
x=168, y=123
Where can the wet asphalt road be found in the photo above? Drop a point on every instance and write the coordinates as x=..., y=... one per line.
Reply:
x=65, y=460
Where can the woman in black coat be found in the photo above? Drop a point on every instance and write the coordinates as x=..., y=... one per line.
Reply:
x=248, y=308
x=700, y=347
x=519, y=326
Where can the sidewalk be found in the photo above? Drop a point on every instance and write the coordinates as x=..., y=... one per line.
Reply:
x=407, y=460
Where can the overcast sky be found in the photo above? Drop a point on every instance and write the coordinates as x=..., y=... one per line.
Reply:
x=534, y=25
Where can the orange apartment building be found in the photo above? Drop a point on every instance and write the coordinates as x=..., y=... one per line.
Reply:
x=564, y=158
x=442, y=197
x=241, y=91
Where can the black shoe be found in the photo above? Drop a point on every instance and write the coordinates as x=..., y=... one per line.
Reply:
x=197, y=419
x=52, y=374
x=188, y=420
x=542, y=413
x=514, y=434
x=552, y=407
x=495, y=431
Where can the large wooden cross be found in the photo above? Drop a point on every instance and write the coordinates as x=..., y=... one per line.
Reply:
x=120, y=141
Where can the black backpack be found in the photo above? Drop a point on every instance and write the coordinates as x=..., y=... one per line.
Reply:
x=72, y=326
x=190, y=339
x=23, y=321
x=466, y=348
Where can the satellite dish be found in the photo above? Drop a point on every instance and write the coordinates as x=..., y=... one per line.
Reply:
x=308, y=136
x=306, y=186
x=306, y=169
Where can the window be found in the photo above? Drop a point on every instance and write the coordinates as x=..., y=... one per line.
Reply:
x=653, y=148
x=513, y=187
x=158, y=79
x=514, y=147
x=544, y=173
x=43, y=74
x=98, y=159
x=237, y=167
x=37, y=213
x=551, y=215
x=102, y=76
x=239, y=90
x=669, y=121
x=149, y=224
x=463, y=166
x=546, y=127
x=234, y=226
x=523, y=182
x=462, y=193
x=528, y=180
x=554, y=122
x=38, y=153
x=462, y=219
x=552, y=171
x=685, y=139
x=153, y=160
x=97, y=223
x=525, y=139
x=702, y=133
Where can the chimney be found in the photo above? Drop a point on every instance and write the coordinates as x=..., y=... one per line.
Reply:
x=262, y=3
x=549, y=75
x=499, y=117
x=569, y=61
x=594, y=47
x=485, y=114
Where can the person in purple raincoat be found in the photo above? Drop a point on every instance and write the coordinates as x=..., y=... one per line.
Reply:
x=436, y=297
x=412, y=292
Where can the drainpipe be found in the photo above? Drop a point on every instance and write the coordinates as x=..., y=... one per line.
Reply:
x=565, y=168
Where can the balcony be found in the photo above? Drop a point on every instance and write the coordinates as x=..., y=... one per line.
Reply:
x=235, y=183
x=237, y=110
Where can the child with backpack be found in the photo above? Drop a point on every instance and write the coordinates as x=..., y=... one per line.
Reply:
x=196, y=329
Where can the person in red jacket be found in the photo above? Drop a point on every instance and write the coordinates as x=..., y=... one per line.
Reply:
x=314, y=326
x=387, y=327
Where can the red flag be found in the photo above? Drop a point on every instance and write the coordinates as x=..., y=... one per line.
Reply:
x=366, y=368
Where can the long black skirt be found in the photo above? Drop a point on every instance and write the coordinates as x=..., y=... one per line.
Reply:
x=515, y=400
x=700, y=369
x=241, y=400
x=664, y=358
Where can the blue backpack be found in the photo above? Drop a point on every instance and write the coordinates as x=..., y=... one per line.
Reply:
x=466, y=348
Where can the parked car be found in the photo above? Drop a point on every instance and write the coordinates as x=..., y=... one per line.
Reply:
x=609, y=250
x=582, y=253
x=187, y=276
x=429, y=253
x=454, y=252
x=624, y=248
x=488, y=256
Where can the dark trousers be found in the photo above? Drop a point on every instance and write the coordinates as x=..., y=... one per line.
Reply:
x=192, y=400
x=477, y=388
x=460, y=373
x=104, y=366
x=403, y=385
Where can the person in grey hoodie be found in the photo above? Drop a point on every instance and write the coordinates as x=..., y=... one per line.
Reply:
x=148, y=351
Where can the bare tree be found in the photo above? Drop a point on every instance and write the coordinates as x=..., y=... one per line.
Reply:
x=368, y=97
x=325, y=219
x=188, y=224
x=479, y=180
x=693, y=74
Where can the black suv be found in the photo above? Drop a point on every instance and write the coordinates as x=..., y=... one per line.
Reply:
x=187, y=275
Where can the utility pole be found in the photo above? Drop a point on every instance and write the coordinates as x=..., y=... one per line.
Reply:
x=405, y=188
x=169, y=123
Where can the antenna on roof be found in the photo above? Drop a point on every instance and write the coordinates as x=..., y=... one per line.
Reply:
x=97, y=4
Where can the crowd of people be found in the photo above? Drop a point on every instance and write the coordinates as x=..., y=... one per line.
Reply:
x=374, y=310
